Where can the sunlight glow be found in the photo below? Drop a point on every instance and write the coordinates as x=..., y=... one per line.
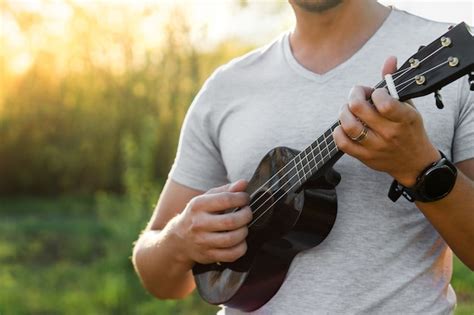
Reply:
x=210, y=22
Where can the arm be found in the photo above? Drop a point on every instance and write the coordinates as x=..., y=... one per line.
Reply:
x=187, y=226
x=397, y=144
x=453, y=216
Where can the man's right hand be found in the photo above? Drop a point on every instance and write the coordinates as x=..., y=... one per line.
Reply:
x=208, y=234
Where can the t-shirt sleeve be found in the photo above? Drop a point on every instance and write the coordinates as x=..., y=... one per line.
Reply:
x=198, y=163
x=463, y=141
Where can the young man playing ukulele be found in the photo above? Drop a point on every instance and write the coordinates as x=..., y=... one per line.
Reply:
x=381, y=256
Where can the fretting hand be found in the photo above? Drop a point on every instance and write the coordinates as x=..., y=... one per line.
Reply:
x=387, y=135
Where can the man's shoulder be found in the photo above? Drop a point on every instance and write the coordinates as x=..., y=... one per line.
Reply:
x=251, y=64
x=412, y=25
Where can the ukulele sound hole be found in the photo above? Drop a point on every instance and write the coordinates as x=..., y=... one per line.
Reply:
x=262, y=207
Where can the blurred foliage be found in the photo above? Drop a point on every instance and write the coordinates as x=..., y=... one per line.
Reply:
x=95, y=114
x=62, y=121
x=71, y=255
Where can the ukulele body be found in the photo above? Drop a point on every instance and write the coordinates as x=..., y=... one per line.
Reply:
x=294, y=222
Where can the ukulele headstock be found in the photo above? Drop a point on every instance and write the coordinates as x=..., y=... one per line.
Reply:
x=441, y=62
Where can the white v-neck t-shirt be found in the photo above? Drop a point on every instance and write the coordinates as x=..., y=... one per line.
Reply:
x=380, y=257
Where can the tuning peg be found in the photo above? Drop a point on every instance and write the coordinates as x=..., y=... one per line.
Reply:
x=421, y=47
x=439, y=100
x=471, y=81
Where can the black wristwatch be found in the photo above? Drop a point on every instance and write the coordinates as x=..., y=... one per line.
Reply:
x=434, y=183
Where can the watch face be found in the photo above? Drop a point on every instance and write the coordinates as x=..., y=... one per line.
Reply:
x=438, y=182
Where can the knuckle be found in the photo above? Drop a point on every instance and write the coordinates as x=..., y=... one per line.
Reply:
x=244, y=198
x=194, y=203
x=342, y=143
x=356, y=106
x=195, y=225
x=352, y=128
x=227, y=200
x=245, y=233
x=200, y=240
x=211, y=255
x=391, y=135
x=247, y=214
x=228, y=239
x=386, y=107
x=414, y=116
x=228, y=222
x=241, y=249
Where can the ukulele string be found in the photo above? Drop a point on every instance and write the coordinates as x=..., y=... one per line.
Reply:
x=318, y=146
x=413, y=80
x=410, y=68
x=297, y=173
x=380, y=84
x=278, y=199
x=314, y=160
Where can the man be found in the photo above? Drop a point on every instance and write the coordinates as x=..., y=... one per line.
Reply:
x=380, y=257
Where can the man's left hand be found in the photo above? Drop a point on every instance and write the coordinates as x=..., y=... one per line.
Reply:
x=395, y=140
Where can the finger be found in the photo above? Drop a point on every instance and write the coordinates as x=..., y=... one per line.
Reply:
x=389, y=66
x=349, y=123
x=391, y=108
x=228, y=254
x=239, y=185
x=228, y=221
x=359, y=92
x=227, y=239
x=345, y=144
x=219, y=201
x=365, y=112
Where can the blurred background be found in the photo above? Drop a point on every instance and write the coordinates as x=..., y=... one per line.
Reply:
x=92, y=97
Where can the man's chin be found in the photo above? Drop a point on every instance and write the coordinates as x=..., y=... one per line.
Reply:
x=317, y=6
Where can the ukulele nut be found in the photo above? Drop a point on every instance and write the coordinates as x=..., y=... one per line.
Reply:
x=445, y=41
x=420, y=79
x=453, y=61
x=414, y=63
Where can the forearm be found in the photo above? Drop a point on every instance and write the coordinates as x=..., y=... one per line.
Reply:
x=164, y=270
x=453, y=218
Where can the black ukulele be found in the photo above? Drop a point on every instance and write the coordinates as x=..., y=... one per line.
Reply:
x=292, y=194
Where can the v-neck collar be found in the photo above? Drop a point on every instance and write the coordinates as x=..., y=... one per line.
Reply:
x=369, y=44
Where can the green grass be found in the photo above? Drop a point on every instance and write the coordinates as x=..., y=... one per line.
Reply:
x=64, y=256
x=70, y=255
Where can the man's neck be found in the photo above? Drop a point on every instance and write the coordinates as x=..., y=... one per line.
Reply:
x=321, y=41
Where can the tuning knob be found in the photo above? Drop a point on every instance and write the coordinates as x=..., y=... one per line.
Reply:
x=421, y=47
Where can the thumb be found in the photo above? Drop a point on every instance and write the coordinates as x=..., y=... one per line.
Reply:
x=389, y=66
x=239, y=185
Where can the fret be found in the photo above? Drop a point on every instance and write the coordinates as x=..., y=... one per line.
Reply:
x=297, y=172
x=306, y=153
x=290, y=176
x=310, y=160
x=314, y=164
x=302, y=172
x=331, y=145
x=324, y=148
x=328, y=133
